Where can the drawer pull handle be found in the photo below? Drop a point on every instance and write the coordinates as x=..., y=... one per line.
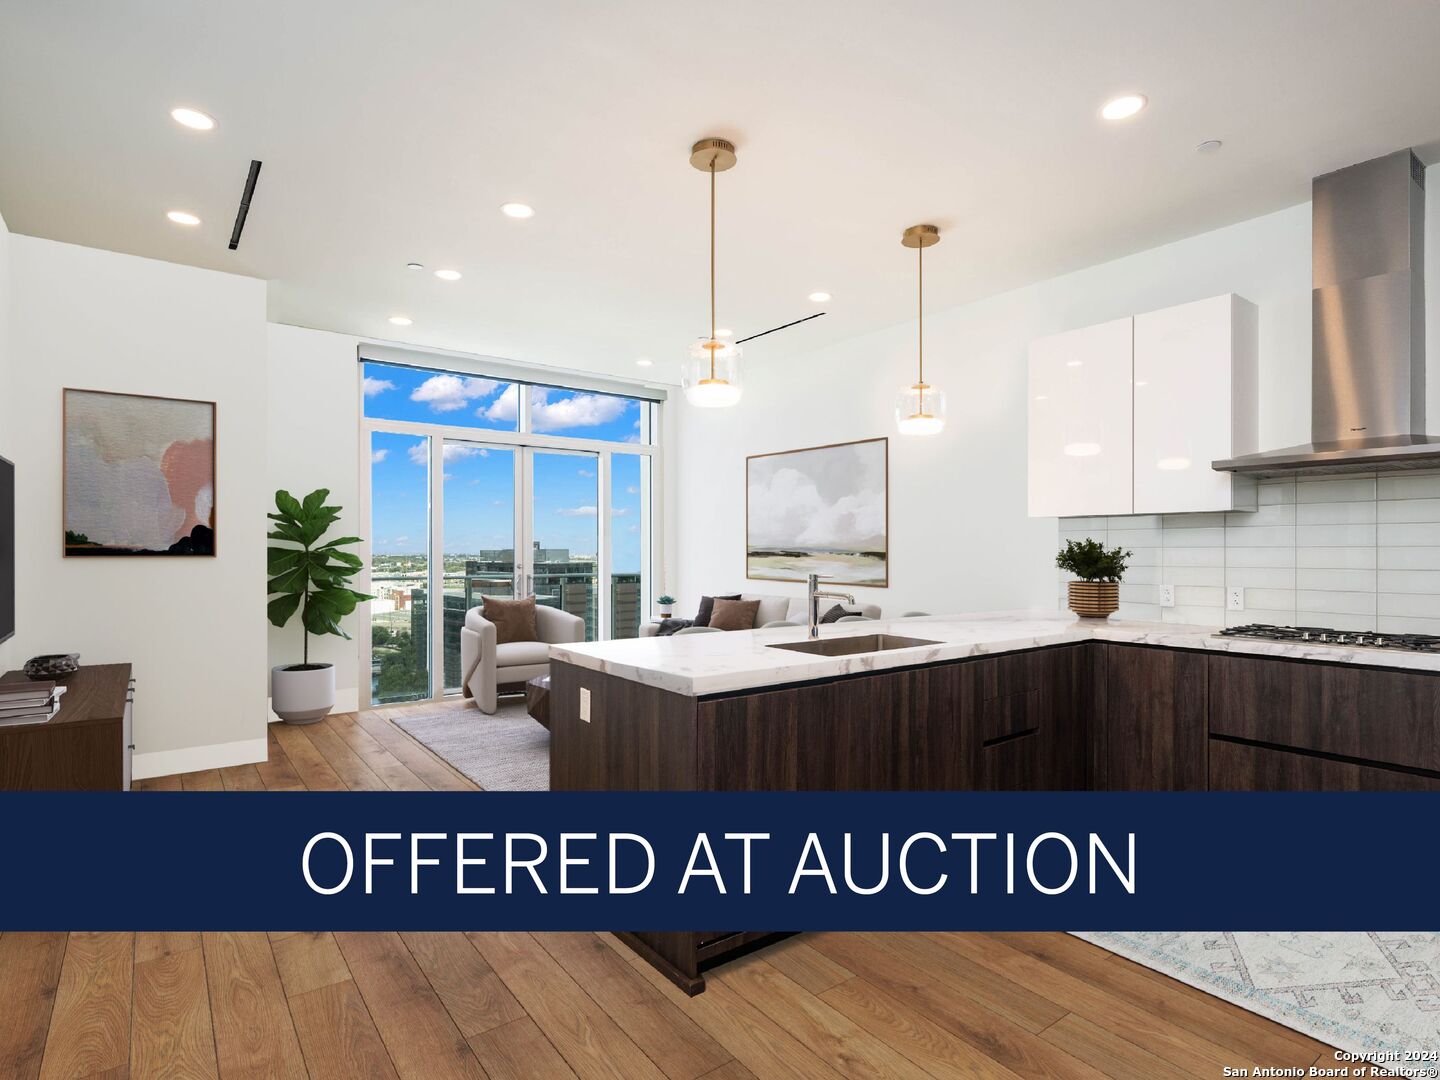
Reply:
x=1011, y=737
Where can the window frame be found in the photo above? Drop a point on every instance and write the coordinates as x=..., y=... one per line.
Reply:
x=521, y=440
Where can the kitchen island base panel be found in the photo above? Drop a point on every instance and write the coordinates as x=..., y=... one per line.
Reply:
x=683, y=957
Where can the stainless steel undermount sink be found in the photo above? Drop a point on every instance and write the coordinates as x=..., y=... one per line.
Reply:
x=848, y=646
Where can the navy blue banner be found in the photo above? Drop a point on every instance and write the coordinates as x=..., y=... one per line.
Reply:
x=942, y=861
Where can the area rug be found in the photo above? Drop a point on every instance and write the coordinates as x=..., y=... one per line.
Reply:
x=1371, y=994
x=505, y=752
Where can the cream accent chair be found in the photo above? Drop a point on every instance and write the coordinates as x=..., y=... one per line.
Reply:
x=486, y=666
x=784, y=609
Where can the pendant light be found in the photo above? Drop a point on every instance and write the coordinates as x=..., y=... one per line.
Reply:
x=920, y=408
x=711, y=375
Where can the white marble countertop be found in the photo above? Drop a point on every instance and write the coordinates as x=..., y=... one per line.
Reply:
x=699, y=664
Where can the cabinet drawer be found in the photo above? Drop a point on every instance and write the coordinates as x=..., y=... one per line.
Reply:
x=1239, y=767
x=1368, y=715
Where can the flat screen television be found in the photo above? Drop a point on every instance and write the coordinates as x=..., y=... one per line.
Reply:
x=7, y=549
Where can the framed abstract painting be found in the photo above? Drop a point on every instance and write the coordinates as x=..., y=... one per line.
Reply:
x=822, y=510
x=139, y=475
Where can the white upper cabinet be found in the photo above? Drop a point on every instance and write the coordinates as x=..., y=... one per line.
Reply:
x=1126, y=416
x=1195, y=402
x=1080, y=422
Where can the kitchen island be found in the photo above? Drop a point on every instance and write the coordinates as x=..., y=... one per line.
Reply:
x=1009, y=701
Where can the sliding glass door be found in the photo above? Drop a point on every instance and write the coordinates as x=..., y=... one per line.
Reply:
x=479, y=512
x=563, y=556
x=399, y=567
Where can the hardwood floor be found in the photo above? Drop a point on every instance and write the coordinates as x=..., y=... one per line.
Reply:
x=417, y=1006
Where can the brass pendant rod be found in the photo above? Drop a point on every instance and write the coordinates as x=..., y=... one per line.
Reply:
x=920, y=293
x=712, y=267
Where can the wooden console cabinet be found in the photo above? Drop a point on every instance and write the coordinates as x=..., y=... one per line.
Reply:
x=87, y=746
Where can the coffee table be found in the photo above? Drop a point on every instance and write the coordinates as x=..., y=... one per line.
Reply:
x=537, y=700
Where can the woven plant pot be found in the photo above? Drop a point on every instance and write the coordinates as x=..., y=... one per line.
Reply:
x=1094, y=599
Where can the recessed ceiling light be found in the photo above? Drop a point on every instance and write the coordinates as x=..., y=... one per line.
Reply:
x=448, y=275
x=401, y=320
x=183, y=217
x=414, y=266
x=517, y=210
x=644, y=361
x=1122, y=107
x=1074, y=363
x=193, y=118
x=1209, y=146
x=820, y=297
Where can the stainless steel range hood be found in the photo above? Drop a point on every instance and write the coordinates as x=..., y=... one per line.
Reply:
x=1367, y=395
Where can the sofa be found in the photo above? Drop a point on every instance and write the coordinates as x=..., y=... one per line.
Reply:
x=486, y=666
x=785, y=609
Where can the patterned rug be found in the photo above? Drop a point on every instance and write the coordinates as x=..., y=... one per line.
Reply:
x=505, y=752
x=1370, y=994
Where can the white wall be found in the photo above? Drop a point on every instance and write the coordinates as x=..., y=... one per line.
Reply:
x=313, y=436
x=99, y=320
x=7, y=649
x=959, y=536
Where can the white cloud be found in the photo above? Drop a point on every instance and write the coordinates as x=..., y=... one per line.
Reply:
x=377, y=386
x=632, y=490
x=585, y=472
x=633, y=528
x=419, y=453
x=505, y=408
x=379, y=456
x=619, y=511
x=577, y=511
x=578, y=410
x=446, y=393
x=460, y=451
x=401, y=539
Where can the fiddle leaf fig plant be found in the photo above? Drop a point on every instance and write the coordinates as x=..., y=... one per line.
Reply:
x=306, y=575
x=1089, y=560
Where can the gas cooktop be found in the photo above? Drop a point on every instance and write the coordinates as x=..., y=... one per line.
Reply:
x=1321, y=635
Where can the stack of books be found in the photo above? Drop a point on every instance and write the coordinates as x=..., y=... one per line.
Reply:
x=29, y=702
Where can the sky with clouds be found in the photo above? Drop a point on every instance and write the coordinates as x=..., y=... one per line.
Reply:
x=479, y=481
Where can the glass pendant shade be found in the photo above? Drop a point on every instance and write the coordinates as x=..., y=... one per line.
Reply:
x=920, y=410
x=711, y=375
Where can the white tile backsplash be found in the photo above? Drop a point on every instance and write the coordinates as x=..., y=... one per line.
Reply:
x=1352, y=552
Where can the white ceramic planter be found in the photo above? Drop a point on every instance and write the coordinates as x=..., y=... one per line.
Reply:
x=302, y=694
x=665, y=610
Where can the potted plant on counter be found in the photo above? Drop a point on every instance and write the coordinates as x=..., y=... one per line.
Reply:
x=314, y=579
x=665, y=605
x=1096, y=595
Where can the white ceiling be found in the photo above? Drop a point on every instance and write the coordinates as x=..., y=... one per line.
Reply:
x=393, y=131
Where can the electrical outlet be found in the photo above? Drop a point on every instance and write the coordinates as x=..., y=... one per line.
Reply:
x=1234, y=599
x=1167, y=595
x=585, y=705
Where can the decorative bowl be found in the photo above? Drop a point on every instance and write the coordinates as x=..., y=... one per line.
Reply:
x=52, y=666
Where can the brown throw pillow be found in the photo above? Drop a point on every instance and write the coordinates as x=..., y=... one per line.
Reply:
x=707, y=608
x=514, y=619
x=734, y=614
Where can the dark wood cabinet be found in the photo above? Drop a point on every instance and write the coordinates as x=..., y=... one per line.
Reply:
x=1010, y=722
x=1096, y=715
x=1153, y=728
x=86, y=746
x=1238, y=766
x=1027, y=727
x=1287, y=725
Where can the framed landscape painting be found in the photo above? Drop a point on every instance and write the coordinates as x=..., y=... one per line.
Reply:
x=822, y=510
x=139, y=475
